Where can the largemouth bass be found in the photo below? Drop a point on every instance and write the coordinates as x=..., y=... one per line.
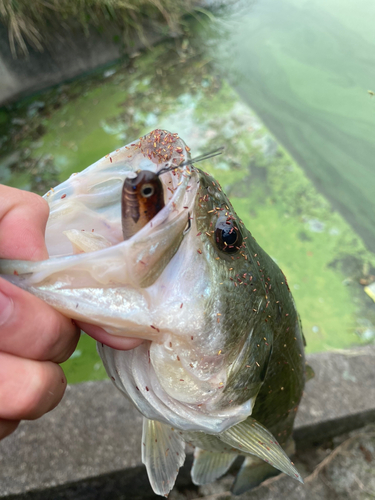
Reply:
x=222, y=366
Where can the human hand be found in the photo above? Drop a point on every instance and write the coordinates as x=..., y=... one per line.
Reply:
x=34, y=337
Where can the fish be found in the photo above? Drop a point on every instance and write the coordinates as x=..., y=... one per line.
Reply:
x=145, y=244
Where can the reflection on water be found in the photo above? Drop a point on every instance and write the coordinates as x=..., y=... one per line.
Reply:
x=175, y=86
x=306, y=67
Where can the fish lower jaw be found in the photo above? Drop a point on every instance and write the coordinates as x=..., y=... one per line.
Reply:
x=133, y=374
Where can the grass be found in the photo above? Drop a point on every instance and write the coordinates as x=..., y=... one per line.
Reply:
x=85, y=363
x=34, y=21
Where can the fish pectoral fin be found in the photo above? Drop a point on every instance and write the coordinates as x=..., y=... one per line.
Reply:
x=163, y=453
x=252, y=473
x=252, y=437
x=309, y=372
x=210, y=465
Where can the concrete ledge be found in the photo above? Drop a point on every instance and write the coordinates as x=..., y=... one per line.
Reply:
x=69, y=55
x=89, y=447
x=341, y=396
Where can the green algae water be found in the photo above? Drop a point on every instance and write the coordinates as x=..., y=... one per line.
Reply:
x=306, y=66
x=179, y=87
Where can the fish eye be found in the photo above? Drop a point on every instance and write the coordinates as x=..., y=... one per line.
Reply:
x=227, y=236
x=147, y=190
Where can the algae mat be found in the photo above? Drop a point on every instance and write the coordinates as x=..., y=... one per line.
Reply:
x=64, y=130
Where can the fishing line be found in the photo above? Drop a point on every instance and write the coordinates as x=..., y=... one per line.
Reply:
x=205, y=156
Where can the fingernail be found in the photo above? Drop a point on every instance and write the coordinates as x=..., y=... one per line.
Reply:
x=6, y=308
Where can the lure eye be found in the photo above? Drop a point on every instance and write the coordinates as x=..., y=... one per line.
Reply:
x=147, y=190
x=227, y=236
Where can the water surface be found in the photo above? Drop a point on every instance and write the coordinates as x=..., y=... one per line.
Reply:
x=305, y=66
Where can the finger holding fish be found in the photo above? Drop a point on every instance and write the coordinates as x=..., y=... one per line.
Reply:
x=32, y=334
x=29, y=327
x=113, y=341
x=23, y=219
x=33, y=389
x=32, y=329
x=7, y=427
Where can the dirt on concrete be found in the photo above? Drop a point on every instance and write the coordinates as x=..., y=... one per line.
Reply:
x=341, y=469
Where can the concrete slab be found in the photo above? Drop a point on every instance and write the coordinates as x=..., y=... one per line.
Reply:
x=89, y=446
x=69, y=55
x=340, y=397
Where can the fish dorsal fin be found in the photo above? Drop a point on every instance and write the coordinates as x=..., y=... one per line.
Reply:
x=252, y=437
x=210, y=465
x=163, y=453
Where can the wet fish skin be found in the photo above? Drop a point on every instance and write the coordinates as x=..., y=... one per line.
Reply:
x=224, y=339
x=254, y=295
x=266, y=297
x=262, y=344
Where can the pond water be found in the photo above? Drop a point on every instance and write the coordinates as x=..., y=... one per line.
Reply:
x=305, y=66
x=298, y=172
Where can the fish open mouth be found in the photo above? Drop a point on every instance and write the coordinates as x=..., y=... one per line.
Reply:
x=92, y=272
x=91, y=200
x=84, y=230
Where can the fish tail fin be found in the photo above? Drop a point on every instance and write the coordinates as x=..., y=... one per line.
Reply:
x=210, y=465
x=163, y=453
x=252, y=473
